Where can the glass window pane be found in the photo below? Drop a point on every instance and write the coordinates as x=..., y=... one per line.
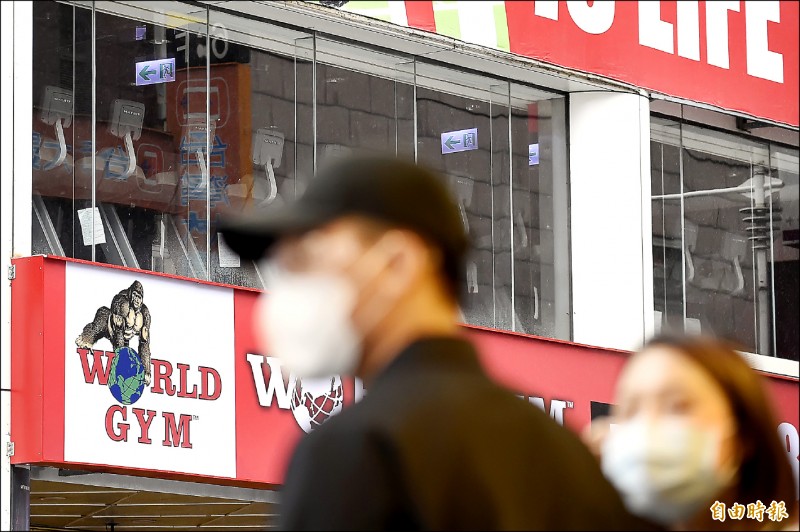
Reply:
x=724, y=211
x=785, y=258
x=503, y=285
x=668, y=241
x=268, y=142
x=728, y=293
x=513, y=279
x=364, y=102
x=541, y=280
x=61, y=128
x=163, y=144
x=454, y=137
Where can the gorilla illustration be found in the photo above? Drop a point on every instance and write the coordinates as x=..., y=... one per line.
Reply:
x=127, y=317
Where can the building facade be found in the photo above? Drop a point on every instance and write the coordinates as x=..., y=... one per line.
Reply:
x=621, y=167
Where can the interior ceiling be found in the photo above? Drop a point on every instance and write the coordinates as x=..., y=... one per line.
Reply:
x=73, y=506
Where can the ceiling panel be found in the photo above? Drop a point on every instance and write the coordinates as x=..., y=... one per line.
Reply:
x=173, y=509
x=70, y=505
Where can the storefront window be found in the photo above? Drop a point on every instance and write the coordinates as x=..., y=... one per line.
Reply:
x=505, y=192
x=785, y=251
x=457, y=116
x=194, y=112
x=61, y=126
x=268, y=127
x=132, y=187
x=540, y=239
x=724, y=212
x=365, y=102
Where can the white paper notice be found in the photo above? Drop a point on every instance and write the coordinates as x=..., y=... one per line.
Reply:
x=85, y=217
x=227, y=257
x=693, y=326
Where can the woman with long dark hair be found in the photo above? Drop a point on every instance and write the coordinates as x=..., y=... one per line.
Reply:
x=692, y=442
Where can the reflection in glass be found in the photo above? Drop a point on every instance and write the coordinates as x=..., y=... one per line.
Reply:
x=539, y=177
x=718, y=230
x=268, y=135
x=199, y=112
x=454, y=137
x=785, y=260
x=668, y=238
x=364, y=103
x=60, y=137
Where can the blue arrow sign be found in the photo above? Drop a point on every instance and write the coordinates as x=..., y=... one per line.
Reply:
x=533, y=154
x=463, y=140
x=157, y=71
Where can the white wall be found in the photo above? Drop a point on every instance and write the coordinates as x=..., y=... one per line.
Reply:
x=6, y=192
x=16, y=34
x=611, y=241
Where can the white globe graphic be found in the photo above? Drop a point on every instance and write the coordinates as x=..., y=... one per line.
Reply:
x=316, y=400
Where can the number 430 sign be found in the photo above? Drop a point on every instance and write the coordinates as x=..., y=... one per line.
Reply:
x=192, y=49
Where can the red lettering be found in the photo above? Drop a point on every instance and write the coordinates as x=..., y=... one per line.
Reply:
x=144, y=423
x=122, y=435
x=98, y=371
x=204, y=384
x=175, y=434
x=183, y=369
x=162, y=371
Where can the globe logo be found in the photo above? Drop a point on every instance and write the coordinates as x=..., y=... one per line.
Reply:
x=126, y=376
x=316, y=400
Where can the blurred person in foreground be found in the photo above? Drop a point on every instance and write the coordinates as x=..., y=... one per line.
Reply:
x=692, y=440
x=365, y=271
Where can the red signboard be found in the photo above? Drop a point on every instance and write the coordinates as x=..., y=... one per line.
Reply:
x=215, y=409
x=737, y=55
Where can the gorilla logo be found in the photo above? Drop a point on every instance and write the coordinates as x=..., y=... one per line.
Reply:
x=127, y=317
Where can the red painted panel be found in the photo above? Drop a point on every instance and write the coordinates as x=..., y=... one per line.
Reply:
x=551, y=370
x=27, y=350
x=420, y=15
x=265, y=436
x=53, y=305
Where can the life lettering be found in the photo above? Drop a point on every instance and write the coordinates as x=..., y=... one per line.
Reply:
x=598, y=17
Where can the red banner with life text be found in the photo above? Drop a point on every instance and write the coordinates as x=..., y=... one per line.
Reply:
x=736, y=55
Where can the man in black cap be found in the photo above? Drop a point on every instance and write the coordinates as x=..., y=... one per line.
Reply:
x=365, y=271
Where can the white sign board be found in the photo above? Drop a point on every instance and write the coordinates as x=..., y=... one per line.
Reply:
x=184, y=419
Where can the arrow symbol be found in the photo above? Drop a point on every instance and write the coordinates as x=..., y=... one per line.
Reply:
x=145, y=72
x=450, y=142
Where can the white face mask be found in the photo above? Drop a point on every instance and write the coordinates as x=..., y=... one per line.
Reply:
x=306, y=320
x=665, y=471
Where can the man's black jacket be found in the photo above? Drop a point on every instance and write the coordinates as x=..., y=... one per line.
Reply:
x=435, y=444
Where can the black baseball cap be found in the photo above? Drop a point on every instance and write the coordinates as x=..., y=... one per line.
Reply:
x=383, y=188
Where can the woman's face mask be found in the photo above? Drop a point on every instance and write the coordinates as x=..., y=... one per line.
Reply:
x=664, y=469
x=673, y=447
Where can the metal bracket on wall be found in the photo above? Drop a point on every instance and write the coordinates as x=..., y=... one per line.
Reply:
x=746, y=124
x=46, y=226
x=10, y=449
x=12, y=272
x=118, y=250
x=179, y=232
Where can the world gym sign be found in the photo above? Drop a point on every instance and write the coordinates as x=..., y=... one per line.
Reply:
x=124, y=371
